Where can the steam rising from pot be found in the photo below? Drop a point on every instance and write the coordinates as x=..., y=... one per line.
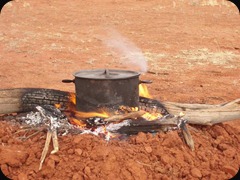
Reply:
x=131, y=54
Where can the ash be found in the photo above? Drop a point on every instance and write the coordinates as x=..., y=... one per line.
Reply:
x=53, y=119
x=50, y=117
x=107, y=131
x=114, y=127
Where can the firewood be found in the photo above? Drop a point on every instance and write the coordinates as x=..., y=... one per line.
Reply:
x=187, y=136
x=55, y=142
x=205, y=114
x=25, y=99
x=131, y=115
x=45, y=149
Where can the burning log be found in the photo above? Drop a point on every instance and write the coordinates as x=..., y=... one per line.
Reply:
x=26, y=99
x=131, y=115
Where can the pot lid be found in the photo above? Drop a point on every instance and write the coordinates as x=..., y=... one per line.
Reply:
x=106, y=74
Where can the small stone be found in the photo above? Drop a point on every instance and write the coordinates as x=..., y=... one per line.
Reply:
x=219, y=131
x=12, y=158
x=70, y=151
x=230, y=152
x=77, y=176
x=141, y=138
x=205, y=172
x=77, y=139
x=171, y=140
x=55, y=158
x=196, y=173
x=223, y=147
x=165, y=159
x=230, y=170
x=148, y=149
x=22, y=176
x=78, y=152
x=87, y=170
x=51, y=163
x=160, y=170
x=4, y=169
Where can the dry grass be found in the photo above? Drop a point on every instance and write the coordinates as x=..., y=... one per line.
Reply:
x=204, y=56
x=187, y=59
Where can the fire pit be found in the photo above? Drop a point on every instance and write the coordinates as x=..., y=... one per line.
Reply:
x=126, y=112
x=106, y=88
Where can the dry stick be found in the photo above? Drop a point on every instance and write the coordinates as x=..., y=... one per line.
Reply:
x=55, y=142
x=11, y=101
x=187, y=136
x=31, y=135
x=186, y=133
x=45, y=149
x=117, y=118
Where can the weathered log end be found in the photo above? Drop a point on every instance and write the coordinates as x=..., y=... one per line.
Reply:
x=26, y=99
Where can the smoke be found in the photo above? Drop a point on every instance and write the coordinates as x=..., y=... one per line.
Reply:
x=130, y=54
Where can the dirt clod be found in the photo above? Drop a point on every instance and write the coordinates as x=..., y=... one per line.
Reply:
x=196, y=173
x=78, y=152
x=229, y=169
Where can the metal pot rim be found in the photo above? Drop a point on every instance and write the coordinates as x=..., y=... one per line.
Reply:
x=106, y=74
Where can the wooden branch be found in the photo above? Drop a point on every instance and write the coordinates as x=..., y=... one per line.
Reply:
x=187, y=136
x=205, y=114
x=45, y=149
x=131, y=115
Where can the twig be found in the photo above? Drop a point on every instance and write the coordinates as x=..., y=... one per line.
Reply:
x=117, y=118
x=45, y=149
x=55, y=142
x=149, y=165
x=31, y=135
x=187, y=136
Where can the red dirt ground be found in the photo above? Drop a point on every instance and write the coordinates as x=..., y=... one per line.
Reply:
x=191, y=46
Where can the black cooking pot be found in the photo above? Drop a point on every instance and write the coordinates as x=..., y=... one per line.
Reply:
x=107, y=88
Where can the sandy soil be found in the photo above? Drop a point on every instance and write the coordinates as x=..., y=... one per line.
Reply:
x=191, y=46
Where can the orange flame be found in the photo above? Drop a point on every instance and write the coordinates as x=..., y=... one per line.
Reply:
x=77, y=122
x=151, y=116
x=143, y=91
x=72, y=98
x=102, y=114
x=58, y=106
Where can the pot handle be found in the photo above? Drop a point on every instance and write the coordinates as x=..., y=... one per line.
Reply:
x=145, y=82
x=68, y=81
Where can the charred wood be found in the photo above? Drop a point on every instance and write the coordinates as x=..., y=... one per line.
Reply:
x=142, y=125
x=131, y=115
x=152, y=105
x=26, y=99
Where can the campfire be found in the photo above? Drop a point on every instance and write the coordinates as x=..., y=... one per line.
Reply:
x=107, y=123
x=108, y=103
